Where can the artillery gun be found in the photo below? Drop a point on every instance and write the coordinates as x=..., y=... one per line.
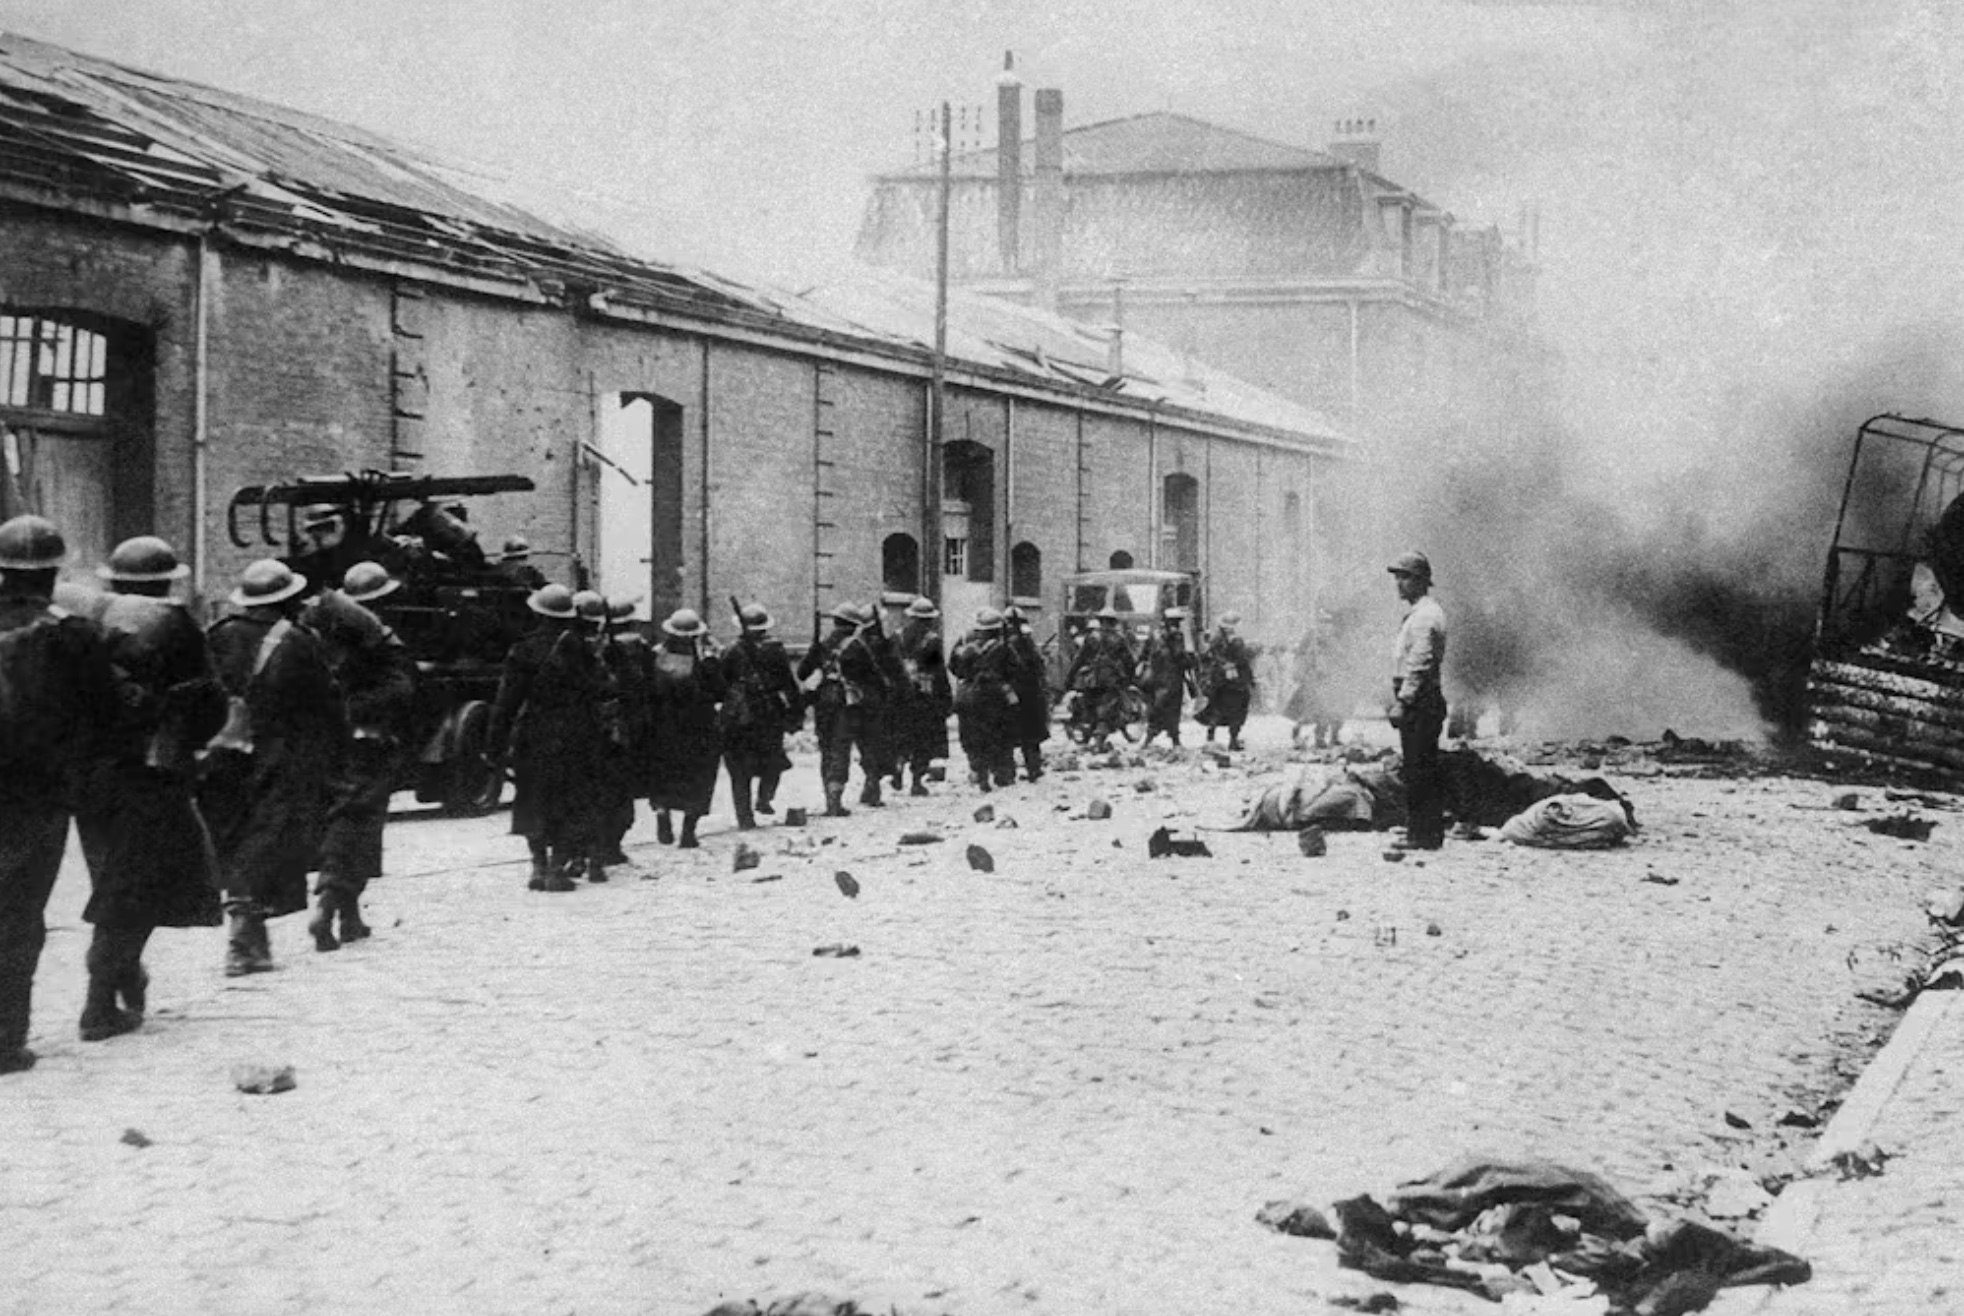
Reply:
x=457, y=611
x=1887, y=679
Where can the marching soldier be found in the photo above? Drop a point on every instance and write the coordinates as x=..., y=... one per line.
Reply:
x=515, y=565
x=150, y=857
x=547, y=719
x=1166, y=669
x=762, y=705
x=56, y=687
x=686, y=686
x=922, y=719
x=848, y=692
x=1227, y=679
x=985, y=701
x=886, y=710
x=625, y=655
x=1030, y=719
x=378, y=683
x=1100, y=673
x=270, y=770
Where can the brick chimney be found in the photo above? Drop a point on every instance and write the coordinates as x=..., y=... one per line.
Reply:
x=1356, y=140
x=1049, y=195
x=1009, y=164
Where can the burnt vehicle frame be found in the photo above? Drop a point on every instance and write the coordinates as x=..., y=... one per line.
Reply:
x=455, y=611
x=1886, y=682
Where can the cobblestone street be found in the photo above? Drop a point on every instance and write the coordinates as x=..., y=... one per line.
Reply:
x=1066, y=1085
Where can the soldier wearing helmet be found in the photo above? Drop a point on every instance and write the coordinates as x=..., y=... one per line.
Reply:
x=268, y=783
x=926, y=699
x=1418, y=701
x=1100, y=673
x=516, y=566
x=1227, y=679
x=625, y=714
x=1166, y=674
x=148, y=851
x=763, y=705
x=984, y=702
x=848, y=690
x=547, y=720
x=1029, y=720
x=685, y=687
x=56, y=685
x=378, y=680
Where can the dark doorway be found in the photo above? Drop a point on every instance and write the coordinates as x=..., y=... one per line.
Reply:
x=1180, y=523
x=900, y=564
x=1026, y=571
x=1121, y=561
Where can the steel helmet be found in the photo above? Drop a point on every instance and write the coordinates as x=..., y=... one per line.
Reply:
x=988, y=619
x=516, y=550
x=621, y=609
x=683, y=623
x=143, y=560
x=265, y=582
x=922, y=606
x=366, y=582
x=755, y=618
x=551, y=601
x=845, y=612
x=31, y=543
x=589, y=605
x=1013, y=613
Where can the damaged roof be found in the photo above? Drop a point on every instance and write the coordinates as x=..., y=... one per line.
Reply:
x=1160, y=142
x=84, y=132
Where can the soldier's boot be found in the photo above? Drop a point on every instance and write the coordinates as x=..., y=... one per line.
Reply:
x=541, y=865
x=247, y=949
x=101, y=1017
x=1032, y=763
x=689, y=841
x=321, y=925
x=834, y=800
x=17, y=963
x=869, y=794
x=664, y=829
x=596, y=868
x=1234, y=738
x=559, y=873
x=920, y=780
x=1210, y=735
x=740, y=796
x=766, y=793
x=132, y=980
x=353, y=926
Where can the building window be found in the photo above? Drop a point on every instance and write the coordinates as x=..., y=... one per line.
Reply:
x=900, y=564
x=954, y=557
x=1026, y=571
x=48, y=365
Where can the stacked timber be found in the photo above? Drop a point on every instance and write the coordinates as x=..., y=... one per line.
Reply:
x=1901, y=709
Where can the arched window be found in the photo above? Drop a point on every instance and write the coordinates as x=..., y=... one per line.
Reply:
x=1026, y=571
x=1121, y=561
x=1180, y=531
x=900, y=564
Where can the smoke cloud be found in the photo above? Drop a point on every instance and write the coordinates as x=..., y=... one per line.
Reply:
x=1748, y=233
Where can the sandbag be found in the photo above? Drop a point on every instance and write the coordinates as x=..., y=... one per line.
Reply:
x=1569, y=822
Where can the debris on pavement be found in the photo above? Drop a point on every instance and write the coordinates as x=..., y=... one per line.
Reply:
x=987, y=813
x=134, y=1138
x=920, y=838
x=1737, y=1121
x=1902, y=826
x=1570, y=822
x=1659, y=879
x=1848, y=800
x=838, y=950
x=1312, y=842
x=1864, y=1162
x=848, y=885
x=263, y=1079
x=1289, y=1216
x=1370, y=1302
x=746, y=856
x=1946, y=906
x=768, y=877
x=796, y=817
x=1734, y=1195
x=1098, y=810
x=1162, y=844
x=981, y=860
x=1006, y=822
x=1394, y=856
x=1515, y=1231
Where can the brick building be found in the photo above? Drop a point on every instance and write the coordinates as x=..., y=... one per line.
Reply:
x=199, y=291
x=1307, y=272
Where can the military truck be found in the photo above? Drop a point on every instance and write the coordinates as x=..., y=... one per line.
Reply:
x=1886, y=683
x=457, y=611
x=1140, y=596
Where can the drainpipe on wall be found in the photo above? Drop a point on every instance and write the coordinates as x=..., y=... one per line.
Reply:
x=702, y=564
x=200, y=438
x=1152, y=488
x=1007, y=553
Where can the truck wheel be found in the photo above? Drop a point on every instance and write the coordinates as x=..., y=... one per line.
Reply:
x=472, y=784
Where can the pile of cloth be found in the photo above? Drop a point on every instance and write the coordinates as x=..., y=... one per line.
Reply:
x=1535, y=1227
x=1480, y=792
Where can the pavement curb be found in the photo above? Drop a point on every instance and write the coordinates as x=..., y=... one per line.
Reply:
x=1792, y=1221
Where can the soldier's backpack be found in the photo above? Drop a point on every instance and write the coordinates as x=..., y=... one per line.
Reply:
x=31, y=722
x=234, y=742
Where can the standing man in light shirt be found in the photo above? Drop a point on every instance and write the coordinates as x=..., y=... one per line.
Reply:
x=1418, y=705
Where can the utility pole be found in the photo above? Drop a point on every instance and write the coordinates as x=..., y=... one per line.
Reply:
x=932, y=548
